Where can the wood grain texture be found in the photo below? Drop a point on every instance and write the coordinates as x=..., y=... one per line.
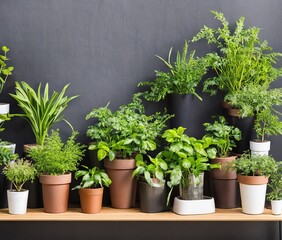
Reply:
x=134, y=214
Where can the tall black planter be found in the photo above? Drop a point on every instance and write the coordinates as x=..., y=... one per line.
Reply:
x=246, y=126
x=152, y=199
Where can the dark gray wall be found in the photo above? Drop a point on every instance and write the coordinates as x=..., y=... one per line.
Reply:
x=105, y=47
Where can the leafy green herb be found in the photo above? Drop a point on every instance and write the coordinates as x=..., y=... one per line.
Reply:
x=243, y=58
x=55, y=157
x=155, y=169
x=224, y=136
x=19, y=172
x=275, y=184
x=125, y=132
x=254, y=165
x=92, y=178
x=184, y=76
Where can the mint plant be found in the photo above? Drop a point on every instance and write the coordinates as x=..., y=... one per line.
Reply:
x=186, y=155
x=155, y=168
x=92, y=178
x=224, y=136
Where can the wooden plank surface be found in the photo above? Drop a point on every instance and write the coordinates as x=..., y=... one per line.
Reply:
x=134, y=214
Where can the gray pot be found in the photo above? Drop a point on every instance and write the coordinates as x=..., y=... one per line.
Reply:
x=191, y=187
x=152, y=199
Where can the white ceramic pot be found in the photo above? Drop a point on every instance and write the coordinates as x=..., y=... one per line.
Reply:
x=252, y=191
x=4, y=109
x=276, y=207
x=17, y=201
x=260, y=148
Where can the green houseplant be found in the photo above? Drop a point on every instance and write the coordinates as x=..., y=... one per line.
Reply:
x=253, y=174
x=41, y=110
x=5, y=72
x=151, y=174
x=18, y=172
x=91, y=188
x=188, y=158
x=259, y=102
x=274, y=194
x=223, y=182
x=118, y=137
x=54, y=161
x=183, y=77
x=243, y=59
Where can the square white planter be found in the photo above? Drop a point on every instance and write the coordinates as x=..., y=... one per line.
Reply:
x=190, y=207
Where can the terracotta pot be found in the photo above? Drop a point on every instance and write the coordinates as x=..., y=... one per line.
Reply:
x=223, y=173
x=123, y=187
x=252, y=180
x=55, y=190
x=91, y=199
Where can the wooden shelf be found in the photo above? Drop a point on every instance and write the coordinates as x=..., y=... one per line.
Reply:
x=134, y=214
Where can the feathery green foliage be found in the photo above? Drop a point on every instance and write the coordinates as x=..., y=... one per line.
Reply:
x=19, y=172
x=55, y=157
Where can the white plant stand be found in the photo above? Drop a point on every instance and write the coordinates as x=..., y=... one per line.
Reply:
x=190, y=207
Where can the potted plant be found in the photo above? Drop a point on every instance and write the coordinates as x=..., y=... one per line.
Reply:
x=41, y=110
x=18, y=172
x=179, y=83
x=54, y=162
x=259, y=102
x=223, y=182
x=118, y=137
x=274, y=194
x=91, y=188
x=253, y=174
x=243, y=60
x=151, y=183
x=5, y=72
x=188, y=158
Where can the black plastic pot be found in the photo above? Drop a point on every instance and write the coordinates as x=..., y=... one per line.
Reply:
x=152, y=199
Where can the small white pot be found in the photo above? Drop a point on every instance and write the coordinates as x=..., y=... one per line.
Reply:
x=276, y=207
x=17, y=201
x=260, y=148
x=4, y=109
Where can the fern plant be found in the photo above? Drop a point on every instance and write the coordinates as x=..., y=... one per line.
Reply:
x=55, y=157
x=243, y=58
x=41, y=110
x=183, y=76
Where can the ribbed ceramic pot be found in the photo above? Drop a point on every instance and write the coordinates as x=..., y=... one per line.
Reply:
x=55, y=191
x=123, y=187
x=91, y=199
